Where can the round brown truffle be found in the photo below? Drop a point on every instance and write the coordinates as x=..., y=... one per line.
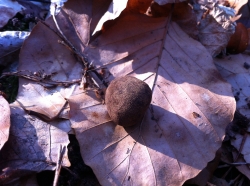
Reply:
x=127, y=99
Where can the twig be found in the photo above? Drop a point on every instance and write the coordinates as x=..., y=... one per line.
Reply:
x=43, y=79
x=59, y=164
x=84, y=59
x=67, y=42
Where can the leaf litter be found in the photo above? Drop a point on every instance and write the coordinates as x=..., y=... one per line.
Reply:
x=32, y=145
x=168, y=60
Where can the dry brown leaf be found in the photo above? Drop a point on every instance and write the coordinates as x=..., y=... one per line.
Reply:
x=4, y=121
x=41, y=53
x=216, y=24
x=235, y=69
x=213, y=36
x=182, y=14
x=206, y=174
x=190, y=109
x=32, y=146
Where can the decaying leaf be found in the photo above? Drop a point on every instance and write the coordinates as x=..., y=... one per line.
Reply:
x=190, y=109
x=42, y=55
x=213, y=36
x=182, y=14
x=32, y=146
x=4, y=121
x=235, y=69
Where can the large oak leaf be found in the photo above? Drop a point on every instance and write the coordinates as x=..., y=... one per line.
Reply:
x=185, y=123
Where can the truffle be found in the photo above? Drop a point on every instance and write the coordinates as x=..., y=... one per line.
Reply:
x=127, y=99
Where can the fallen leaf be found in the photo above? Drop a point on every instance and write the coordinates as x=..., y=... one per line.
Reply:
x=32, y=146
x=216, y=28
x=4, y=121
x=206, y=174
x=8, y=9
x=235, y=69
x=42, y=54
x=213, y=36
x=182, y=14
x=190, y=109
x=10, y=42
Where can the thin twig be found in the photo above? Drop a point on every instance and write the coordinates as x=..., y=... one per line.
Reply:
x=59, y=164
x=67, y=42
x=84, y=59
x=43, y=79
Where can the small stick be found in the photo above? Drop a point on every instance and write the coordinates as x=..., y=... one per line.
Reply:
x=40, y=79
x=59, y=164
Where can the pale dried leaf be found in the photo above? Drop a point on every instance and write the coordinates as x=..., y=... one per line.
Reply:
x=41, y=53
x=32, y=146
x=215, y=24
x=4, y=121
x=235, y=69
x=190, y=109
x=8, y=9
x=213, y=36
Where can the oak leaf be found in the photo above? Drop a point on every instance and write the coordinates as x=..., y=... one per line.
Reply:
x=32, y=146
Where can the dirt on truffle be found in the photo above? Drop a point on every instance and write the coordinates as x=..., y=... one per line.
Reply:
x=127, y=99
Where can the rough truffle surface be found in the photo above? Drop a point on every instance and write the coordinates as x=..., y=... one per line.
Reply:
x=127, y=99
